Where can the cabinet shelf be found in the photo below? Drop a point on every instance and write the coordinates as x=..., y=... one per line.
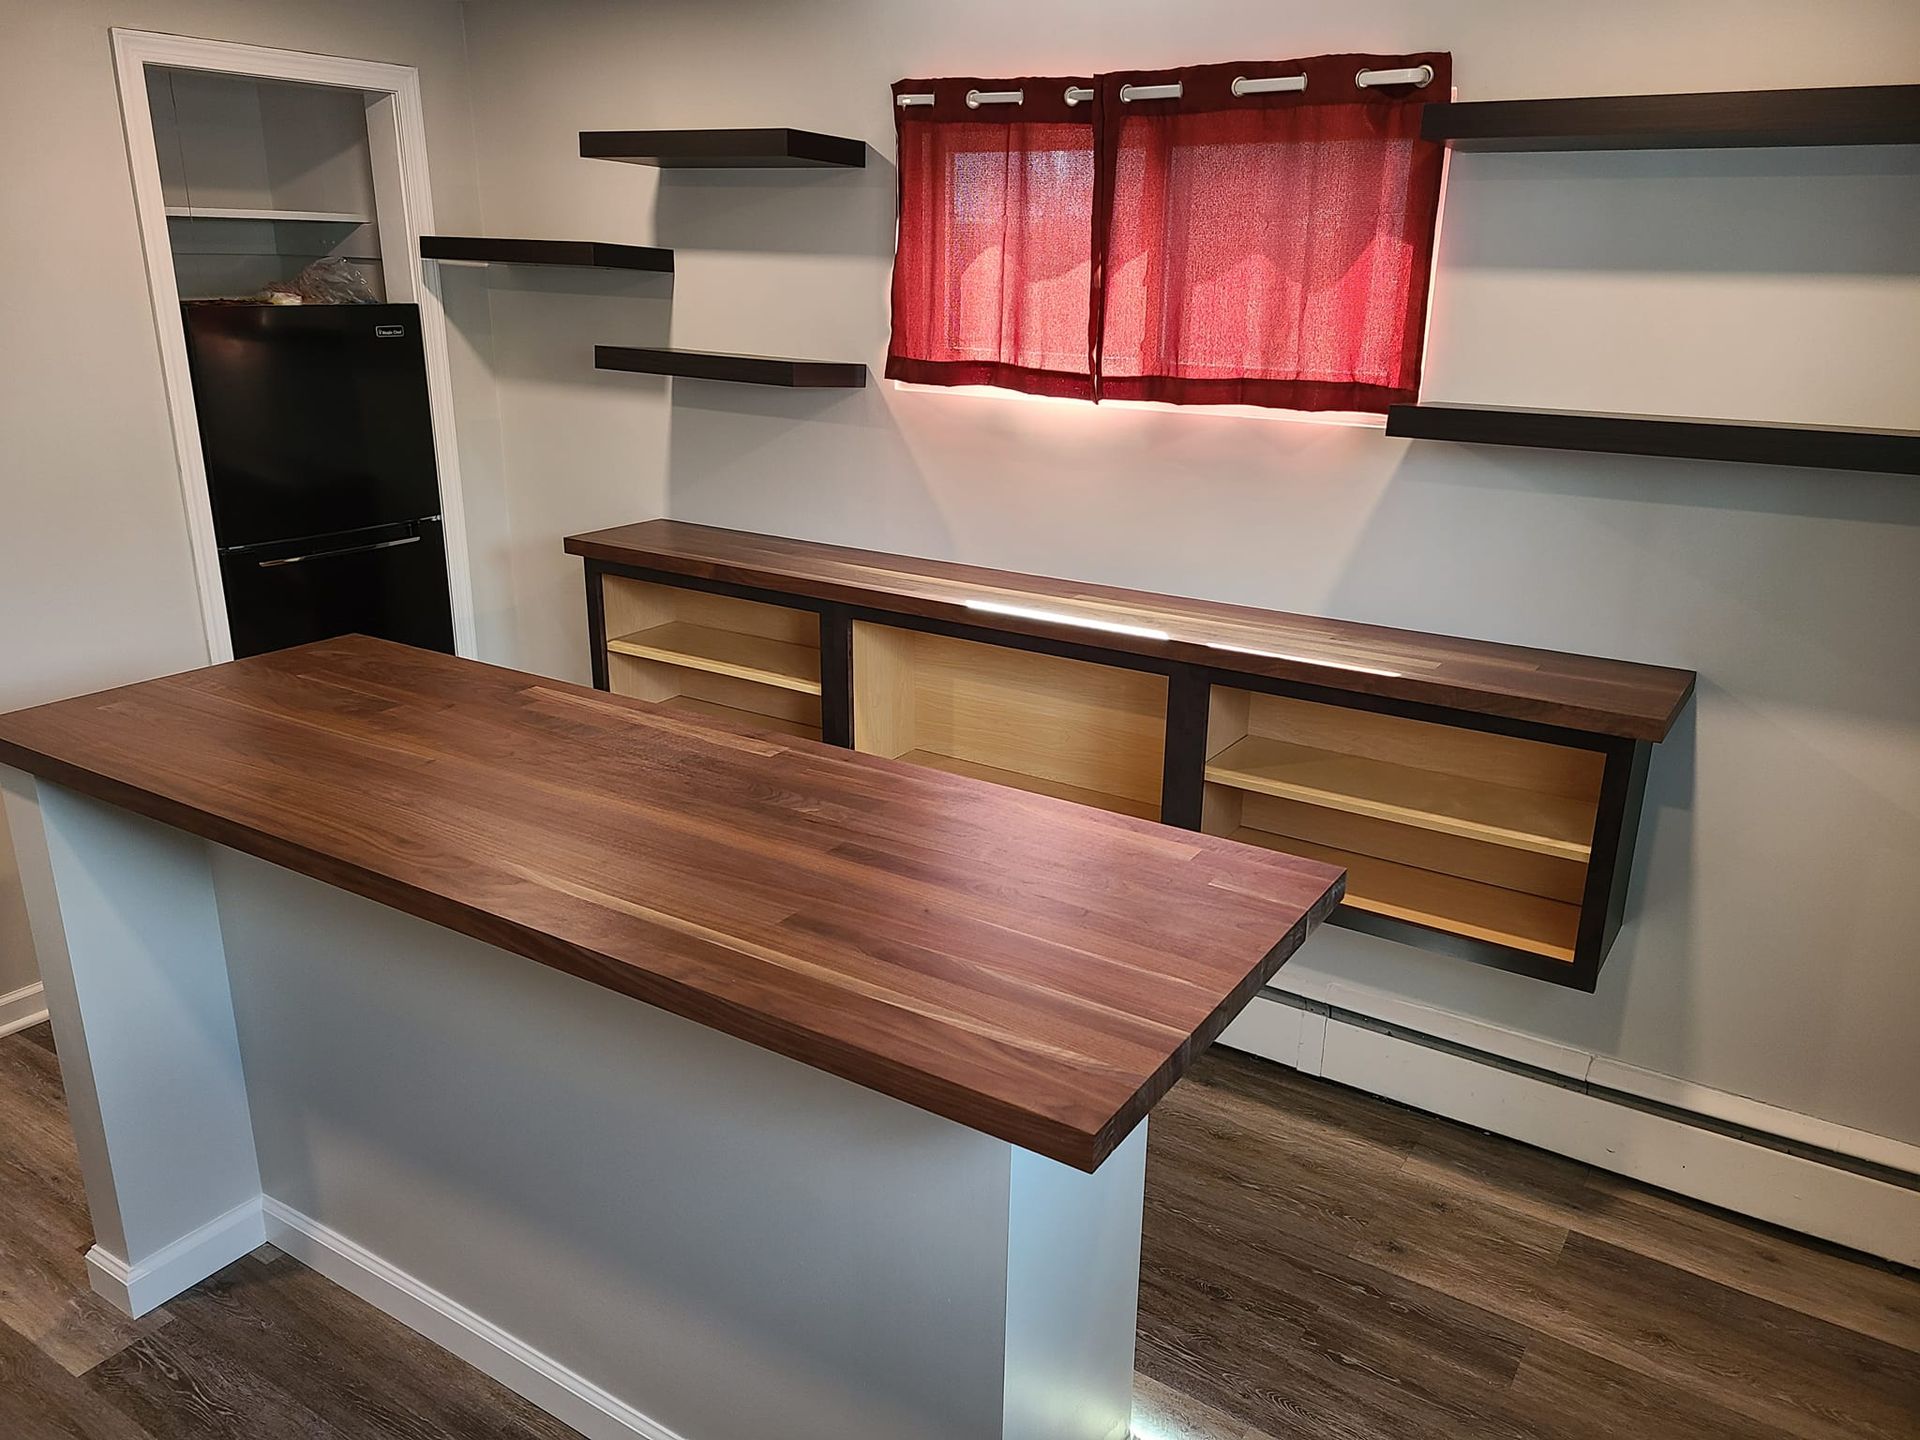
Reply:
x=1752, y=442
x=725, y=652
x=1546, y=824
x=776, y=148
x=294, y=217
x=1040, y=723
x=692, y=705
x=578, y=254
x=1034, y=784
x=1841, y=115
x=1444, y=903
x=739, y=369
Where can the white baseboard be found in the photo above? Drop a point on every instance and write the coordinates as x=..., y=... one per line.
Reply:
x=136, y=1289
x=562, y=1393
x=23, y=1007
x=1659, y=1146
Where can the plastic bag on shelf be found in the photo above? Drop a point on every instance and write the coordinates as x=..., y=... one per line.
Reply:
x=332, y=281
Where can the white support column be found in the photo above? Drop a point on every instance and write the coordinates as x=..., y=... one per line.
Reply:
x=1073, y=1294
x=128, y=939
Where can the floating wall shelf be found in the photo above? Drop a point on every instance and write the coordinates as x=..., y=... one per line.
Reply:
x=775, y=149
x=583, y=254
x=1888, y=452
x=1844, y=115
x=742, y=369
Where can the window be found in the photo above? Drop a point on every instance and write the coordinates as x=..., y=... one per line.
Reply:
x=1206, y=242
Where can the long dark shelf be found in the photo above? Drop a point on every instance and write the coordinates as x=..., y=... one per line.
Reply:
x=584, y=254
x=1842, y=115
x=743, y=369
x=1887, y=452
x=774, y=149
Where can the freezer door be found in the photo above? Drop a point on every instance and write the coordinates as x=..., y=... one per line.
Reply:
x=313, y=418
x=390, y=582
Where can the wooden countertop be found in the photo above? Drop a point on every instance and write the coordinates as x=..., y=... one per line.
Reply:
x=1031, y=968
x=1582, y=692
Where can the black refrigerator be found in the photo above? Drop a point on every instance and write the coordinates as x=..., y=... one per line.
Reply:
x=319, y=453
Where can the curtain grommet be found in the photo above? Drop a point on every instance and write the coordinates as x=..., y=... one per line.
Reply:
x=1416, y=75
x=1273, y=85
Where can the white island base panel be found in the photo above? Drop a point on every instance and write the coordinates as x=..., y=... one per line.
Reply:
x=645, y=1226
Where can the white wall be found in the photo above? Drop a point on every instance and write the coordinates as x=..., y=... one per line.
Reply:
x=1773, y=954
x=96, y=581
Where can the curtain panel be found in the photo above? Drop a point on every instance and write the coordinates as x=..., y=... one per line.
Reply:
x=993, y=272
x=1268, y=247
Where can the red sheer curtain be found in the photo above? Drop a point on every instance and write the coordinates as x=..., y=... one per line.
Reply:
x=1266, y=249
x=993, y=270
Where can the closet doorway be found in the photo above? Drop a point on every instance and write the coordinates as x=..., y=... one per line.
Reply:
x=256, y=168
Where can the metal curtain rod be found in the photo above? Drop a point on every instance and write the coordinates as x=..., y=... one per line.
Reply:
x=1242, y=85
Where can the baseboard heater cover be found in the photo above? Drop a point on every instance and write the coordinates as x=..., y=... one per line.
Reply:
x=1785, y=1145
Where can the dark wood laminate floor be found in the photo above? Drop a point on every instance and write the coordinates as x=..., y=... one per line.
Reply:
x=1316, y=1264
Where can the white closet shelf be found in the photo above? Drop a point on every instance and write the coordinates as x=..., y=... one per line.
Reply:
x=305, y=217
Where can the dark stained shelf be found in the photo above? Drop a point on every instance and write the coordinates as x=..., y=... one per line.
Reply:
x=1479, y=677
x=1842, y=115
x=584, y=254
x=1888, y=452
x=774, y=149
x=744, y=369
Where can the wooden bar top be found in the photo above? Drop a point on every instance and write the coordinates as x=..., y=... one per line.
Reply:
x=1025, y=966
x=1581, y=692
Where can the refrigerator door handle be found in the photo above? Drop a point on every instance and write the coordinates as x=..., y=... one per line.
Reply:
x=348, y=550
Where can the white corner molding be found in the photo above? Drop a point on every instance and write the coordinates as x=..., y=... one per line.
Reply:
x=397, y=136
x=23, y=1007
x=136, y=1289
x=563, y=1393
x=1667, y=1133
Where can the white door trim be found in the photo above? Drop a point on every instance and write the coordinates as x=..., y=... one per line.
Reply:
x=404, y=158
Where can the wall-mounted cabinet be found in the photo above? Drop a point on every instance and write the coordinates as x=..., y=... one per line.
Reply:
x=1457, y=830
x=713, y=654
x=1067, y=728
x=1483, y=798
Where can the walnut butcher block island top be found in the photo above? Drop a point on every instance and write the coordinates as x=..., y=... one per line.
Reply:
x=1033, y=969
x=866, y=1160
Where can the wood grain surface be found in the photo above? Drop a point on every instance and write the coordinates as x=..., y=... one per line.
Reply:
x=1581, y=692
x=1028, y=967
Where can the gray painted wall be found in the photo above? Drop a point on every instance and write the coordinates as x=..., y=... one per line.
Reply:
x=1773, y=953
